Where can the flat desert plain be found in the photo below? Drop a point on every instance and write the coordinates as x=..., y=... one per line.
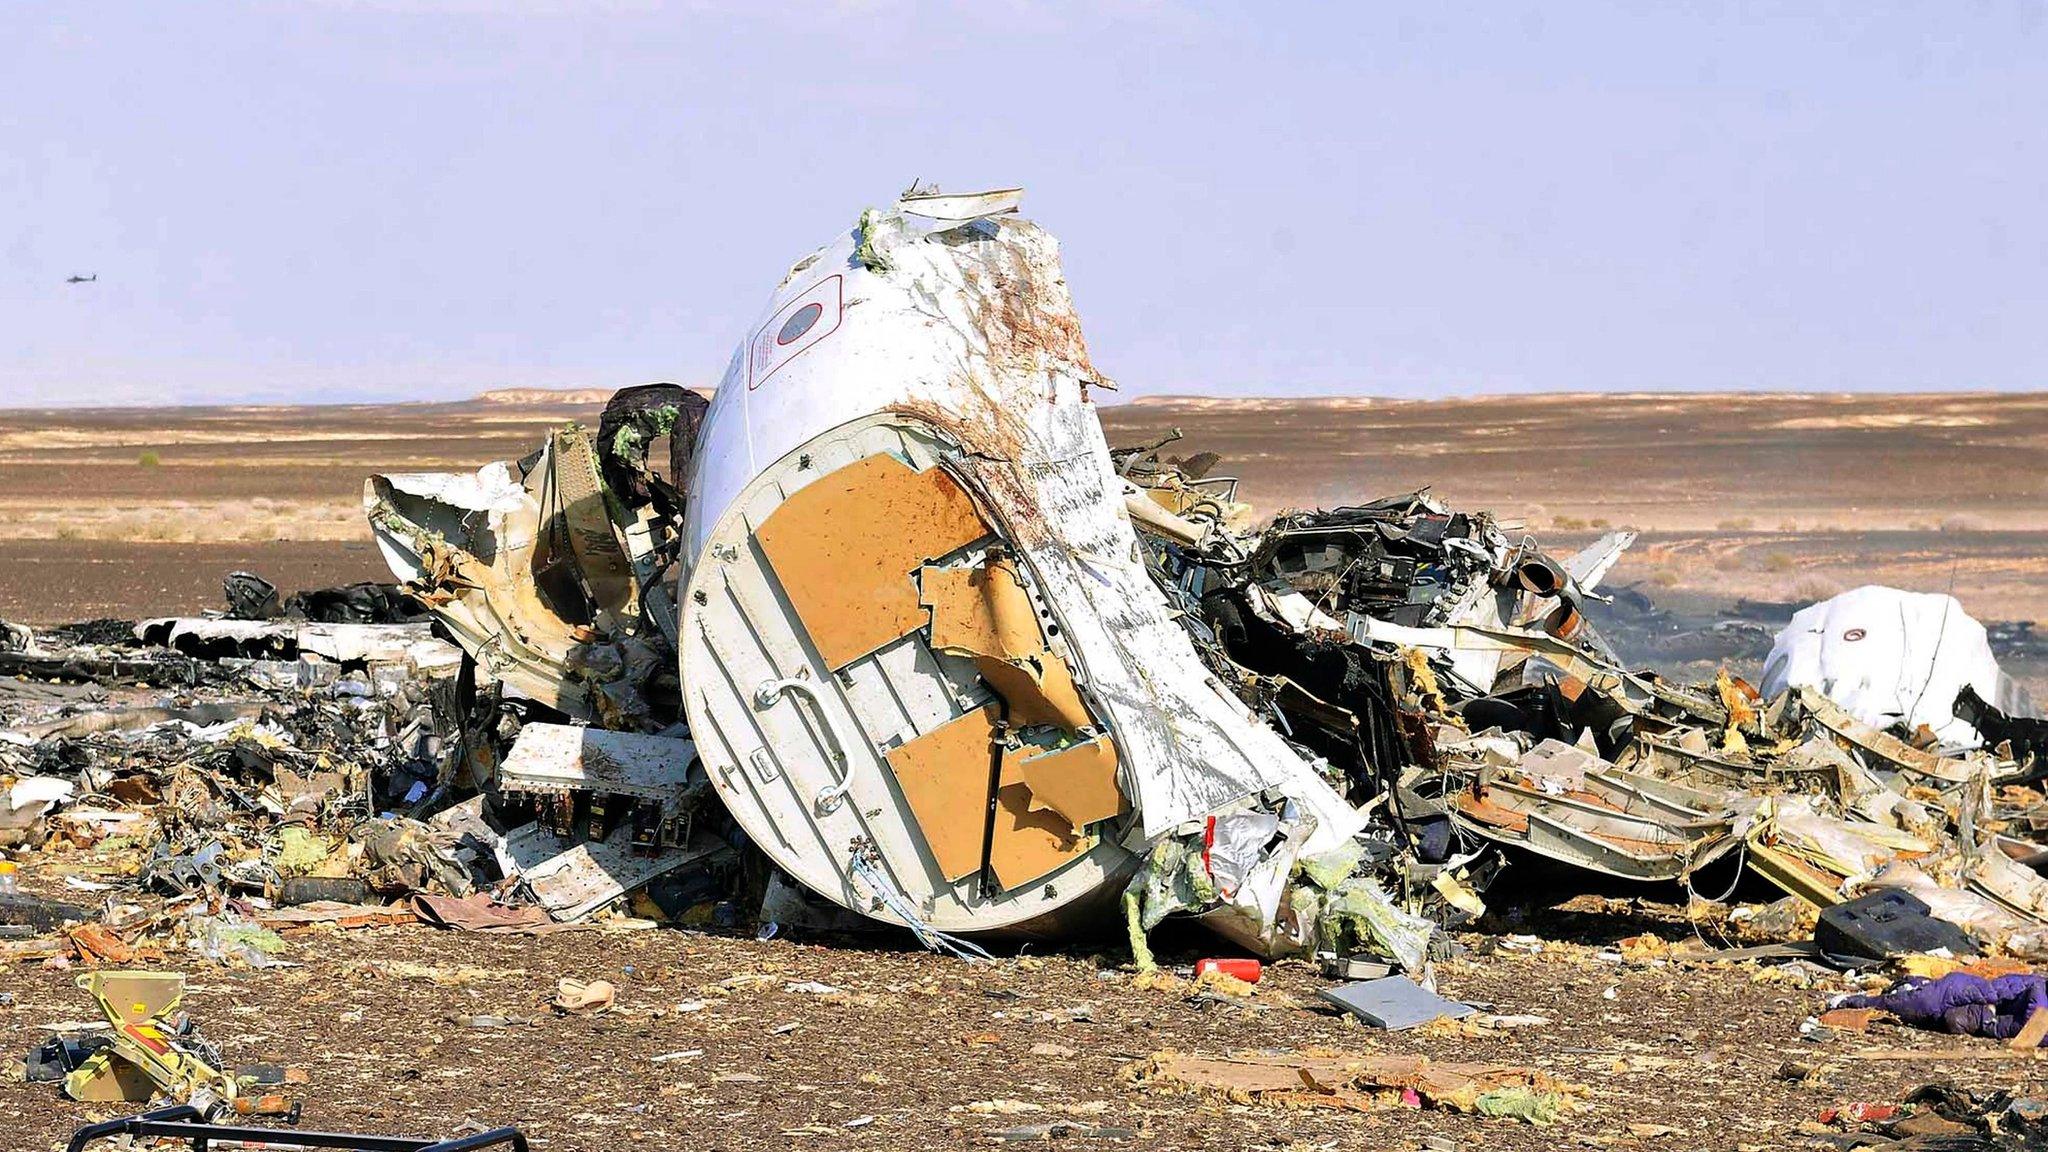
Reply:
x=127, y=512
x=715, y=1044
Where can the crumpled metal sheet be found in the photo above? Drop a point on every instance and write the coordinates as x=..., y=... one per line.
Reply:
x=1037, y=449
x=1890, y=656
x=971, y=330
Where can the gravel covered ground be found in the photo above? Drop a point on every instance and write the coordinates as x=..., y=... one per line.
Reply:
x=127, y=513
x=710, y=1047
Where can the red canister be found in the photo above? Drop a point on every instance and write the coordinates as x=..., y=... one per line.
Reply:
x=1242, y=967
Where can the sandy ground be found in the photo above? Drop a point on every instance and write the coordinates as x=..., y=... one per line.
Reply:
x=52, y=581
x=711, y=1048
x=131, y=513
x=1706, y=463
x=137, y=512
x=1774, y=497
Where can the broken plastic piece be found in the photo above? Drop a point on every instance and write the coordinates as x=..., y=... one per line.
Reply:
x=1393, y=1003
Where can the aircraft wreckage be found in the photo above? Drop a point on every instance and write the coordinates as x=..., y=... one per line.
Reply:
x=886, y=630
x=949, y=660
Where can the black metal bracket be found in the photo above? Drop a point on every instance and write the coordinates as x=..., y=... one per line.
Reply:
x=998, y=743
x=185, y=1122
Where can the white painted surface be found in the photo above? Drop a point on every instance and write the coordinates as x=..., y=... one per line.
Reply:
x=969, y=334
x=1886, y=655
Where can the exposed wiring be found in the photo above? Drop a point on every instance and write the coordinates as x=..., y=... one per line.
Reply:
x=1940, y=634
x=1741, y=860
x=867, y=867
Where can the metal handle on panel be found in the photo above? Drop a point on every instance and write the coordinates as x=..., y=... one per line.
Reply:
x=828, y=799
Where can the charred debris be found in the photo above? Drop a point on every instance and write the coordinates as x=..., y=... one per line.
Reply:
x=884, y=634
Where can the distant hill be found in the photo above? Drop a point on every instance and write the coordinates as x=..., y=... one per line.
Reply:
x=568, y=396
x=1192, y=402
x=546, y=395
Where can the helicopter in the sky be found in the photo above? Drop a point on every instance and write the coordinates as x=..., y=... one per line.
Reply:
x=83, y=279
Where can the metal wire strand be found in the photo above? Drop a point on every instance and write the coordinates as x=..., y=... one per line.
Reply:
x=869, y=871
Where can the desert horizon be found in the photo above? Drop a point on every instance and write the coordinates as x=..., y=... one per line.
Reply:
x=1116, y=397
x=1763, y=495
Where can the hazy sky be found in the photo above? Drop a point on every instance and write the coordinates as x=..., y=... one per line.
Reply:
x=422, y=198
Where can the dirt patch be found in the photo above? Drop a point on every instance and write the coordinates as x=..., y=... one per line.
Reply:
x=915, y=1051
x=56, y=581
x=1765, y=497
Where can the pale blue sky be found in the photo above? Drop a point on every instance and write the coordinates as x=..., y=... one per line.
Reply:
x=418, y=199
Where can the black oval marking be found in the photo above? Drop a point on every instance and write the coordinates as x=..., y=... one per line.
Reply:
x=800, y=322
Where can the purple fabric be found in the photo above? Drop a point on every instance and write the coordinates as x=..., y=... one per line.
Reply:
x=1963, y=1004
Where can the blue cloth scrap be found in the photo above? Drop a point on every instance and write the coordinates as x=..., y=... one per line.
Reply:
x=1962, y=1004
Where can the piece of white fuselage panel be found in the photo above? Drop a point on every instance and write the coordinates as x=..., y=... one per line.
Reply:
x=824, y=734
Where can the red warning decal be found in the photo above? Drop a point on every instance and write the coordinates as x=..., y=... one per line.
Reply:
x=794, y=328
x=148, y=1037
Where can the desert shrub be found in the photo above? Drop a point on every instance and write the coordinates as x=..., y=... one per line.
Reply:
x=1814, y=588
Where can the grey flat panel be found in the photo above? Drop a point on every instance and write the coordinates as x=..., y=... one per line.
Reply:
x=1393, y=1003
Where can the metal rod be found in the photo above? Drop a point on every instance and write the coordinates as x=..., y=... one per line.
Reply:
x=998, y=742
x=96, y=1132
x=186, y=1123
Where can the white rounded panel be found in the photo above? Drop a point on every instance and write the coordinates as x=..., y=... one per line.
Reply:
x=774, y=725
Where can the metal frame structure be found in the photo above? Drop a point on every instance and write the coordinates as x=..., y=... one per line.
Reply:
x=185, y=1122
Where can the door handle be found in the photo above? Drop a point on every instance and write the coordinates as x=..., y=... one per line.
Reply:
x=833, y=795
